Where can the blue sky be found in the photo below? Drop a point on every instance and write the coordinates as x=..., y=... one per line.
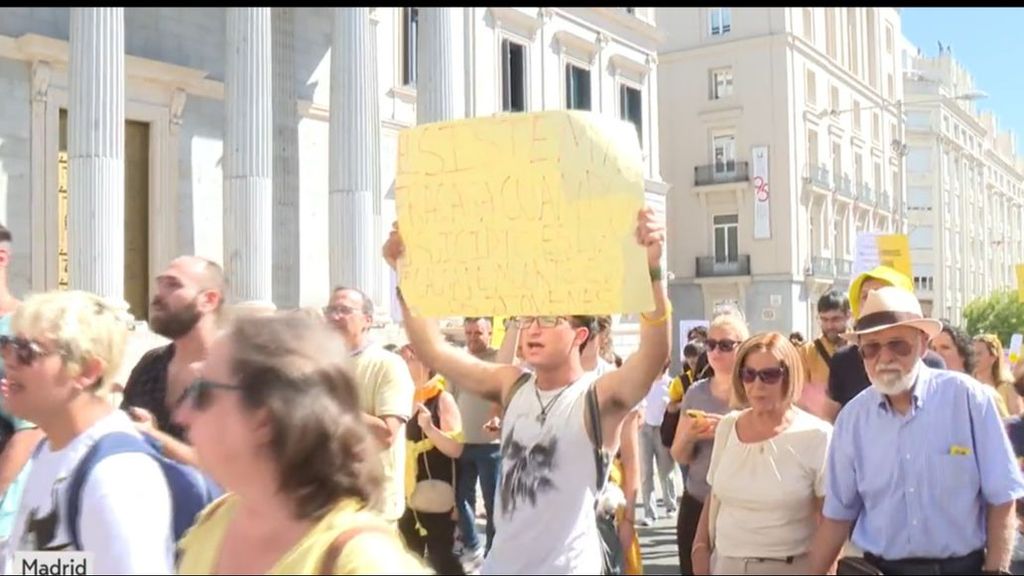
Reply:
x=988, y=43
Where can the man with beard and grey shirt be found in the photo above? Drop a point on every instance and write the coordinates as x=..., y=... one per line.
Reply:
x=190, y=294
x=481, y=454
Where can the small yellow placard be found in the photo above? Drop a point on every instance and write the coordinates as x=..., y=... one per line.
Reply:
x=522, y=214
x=894, y=252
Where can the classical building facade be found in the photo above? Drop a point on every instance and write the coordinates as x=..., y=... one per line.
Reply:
x=965, y=189
x=777, y=126
x=128, y=136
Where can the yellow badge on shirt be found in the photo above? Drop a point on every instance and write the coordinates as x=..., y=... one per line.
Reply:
x=956, y=450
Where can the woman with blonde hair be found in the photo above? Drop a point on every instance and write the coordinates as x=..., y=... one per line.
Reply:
x=66, y=348
x=274, y=418
x=767, y=470
x=701, y=409
x=992, y=368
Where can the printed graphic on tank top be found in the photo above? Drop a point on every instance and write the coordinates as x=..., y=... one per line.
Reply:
x=544, y=523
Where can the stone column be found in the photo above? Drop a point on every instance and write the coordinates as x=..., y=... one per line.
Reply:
x=440, y=66
x=96, y=153
x=248, y=156
x=290, y=264
x=354, y=249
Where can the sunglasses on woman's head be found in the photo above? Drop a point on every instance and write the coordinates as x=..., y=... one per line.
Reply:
x=723, y=345
x=200, y=393
x=767, y=375
x=25, y=351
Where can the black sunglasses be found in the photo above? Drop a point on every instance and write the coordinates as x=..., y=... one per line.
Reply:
x=25, y=351
x=723, y=345
x=200, y=393
x=769, y=376
x=897, y=347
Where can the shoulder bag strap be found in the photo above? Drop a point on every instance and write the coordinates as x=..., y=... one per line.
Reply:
x=519, y=383
x=330, y=558
x=600, y=457
x=822, y=351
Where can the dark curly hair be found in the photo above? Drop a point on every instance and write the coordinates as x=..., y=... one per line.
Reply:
x=963, y=345
x=293, y=367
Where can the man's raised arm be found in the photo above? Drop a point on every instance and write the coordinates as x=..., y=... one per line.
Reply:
x=485, y=379
x=620, y=390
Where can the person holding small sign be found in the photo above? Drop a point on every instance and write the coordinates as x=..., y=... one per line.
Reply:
x=555, y=419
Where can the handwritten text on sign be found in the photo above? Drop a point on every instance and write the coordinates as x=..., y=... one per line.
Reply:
x=524, y=214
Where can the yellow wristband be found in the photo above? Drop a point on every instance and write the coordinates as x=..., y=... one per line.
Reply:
x=663, y=319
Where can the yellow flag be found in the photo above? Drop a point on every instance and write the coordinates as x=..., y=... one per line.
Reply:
x=497, y=331
x=1020, y=281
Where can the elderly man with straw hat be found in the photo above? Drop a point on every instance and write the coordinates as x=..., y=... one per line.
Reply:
x=919, y=465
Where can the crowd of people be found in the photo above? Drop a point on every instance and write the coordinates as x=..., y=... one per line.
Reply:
x=294, y=442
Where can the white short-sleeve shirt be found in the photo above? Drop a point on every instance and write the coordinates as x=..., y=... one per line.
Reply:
x=767, y=489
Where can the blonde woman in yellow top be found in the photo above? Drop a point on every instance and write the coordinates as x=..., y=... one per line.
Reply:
x=992, y=368
x=275, y=419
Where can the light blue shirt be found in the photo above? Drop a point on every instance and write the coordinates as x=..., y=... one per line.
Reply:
x=918, y=484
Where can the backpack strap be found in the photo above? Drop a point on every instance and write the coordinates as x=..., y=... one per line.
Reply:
x=822, y=351
x=334, y=550
x=108, y=445
x=519, y=383
x=601, y=459
x=39, y=448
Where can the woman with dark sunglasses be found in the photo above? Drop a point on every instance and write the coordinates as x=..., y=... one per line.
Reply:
x=702, y=407
x=275, y=419
x=767, y=470
x=67, y=346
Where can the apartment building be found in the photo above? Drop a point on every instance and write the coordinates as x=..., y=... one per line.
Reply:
x=777, y=127
x=965, y=188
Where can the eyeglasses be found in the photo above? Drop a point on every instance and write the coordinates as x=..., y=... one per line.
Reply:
x=897, y=347
x=723, y=345
x=200, y=393
x=543, y=321
x=769, y=376
x=340, y=310
x=26, y=351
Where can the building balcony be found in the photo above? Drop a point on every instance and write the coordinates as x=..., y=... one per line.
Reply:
x=866, y=194
x=822, y=267
x=819, y=176
x=709, y=267
x=844, y=186
x=721, y=173
x=844, y=268
x=885, y=201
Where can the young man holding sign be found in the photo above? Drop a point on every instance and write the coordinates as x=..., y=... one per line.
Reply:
x=545, y=520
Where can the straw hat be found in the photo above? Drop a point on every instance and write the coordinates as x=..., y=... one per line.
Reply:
x=890, y=307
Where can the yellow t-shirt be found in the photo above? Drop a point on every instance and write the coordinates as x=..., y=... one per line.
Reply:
x=372, y=552
x=816, y=369
x=386, y=389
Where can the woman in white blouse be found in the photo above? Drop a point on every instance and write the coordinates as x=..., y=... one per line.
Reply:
x=767, y=469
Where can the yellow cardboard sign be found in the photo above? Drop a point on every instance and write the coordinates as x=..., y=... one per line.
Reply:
x=894, y=252
x=522, y=214
x=1020, y=281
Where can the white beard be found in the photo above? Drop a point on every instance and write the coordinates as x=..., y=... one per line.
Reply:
x=889, y=384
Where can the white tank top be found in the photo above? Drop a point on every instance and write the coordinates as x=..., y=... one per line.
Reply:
x=544, y=514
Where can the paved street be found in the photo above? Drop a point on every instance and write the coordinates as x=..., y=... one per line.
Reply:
x=658, y=546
